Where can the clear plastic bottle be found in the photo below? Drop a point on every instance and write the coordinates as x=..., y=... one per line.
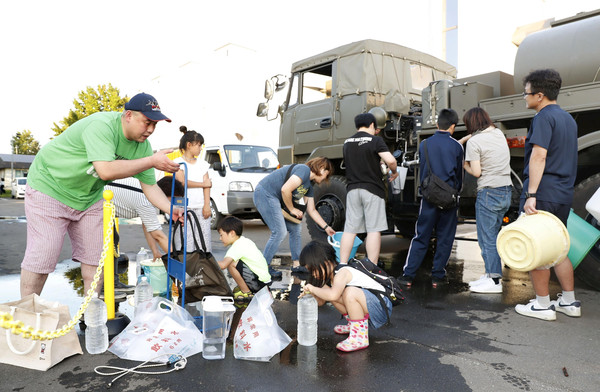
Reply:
x=141, y=256
x=308, y=314
x=143, y=292
x=96, y=331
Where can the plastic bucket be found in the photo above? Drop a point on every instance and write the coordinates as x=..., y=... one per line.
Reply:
x=157, y=275
x=335, y=240
x=583, y=237
x=533, y=241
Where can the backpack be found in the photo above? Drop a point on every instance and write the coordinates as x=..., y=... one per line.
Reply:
x=389, y=283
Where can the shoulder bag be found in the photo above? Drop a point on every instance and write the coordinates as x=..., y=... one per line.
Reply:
x=435, y=190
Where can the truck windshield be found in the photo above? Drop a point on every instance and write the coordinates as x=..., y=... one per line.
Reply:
x=251, y=158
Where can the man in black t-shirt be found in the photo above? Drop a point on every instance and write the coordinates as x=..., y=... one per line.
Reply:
x=365, y=202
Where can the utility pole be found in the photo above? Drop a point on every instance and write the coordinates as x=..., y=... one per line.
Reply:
x=12, y=170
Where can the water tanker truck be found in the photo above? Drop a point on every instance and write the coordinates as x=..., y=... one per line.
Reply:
x=408, y=88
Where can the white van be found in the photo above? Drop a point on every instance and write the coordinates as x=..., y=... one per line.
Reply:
x=235, y=170
x=18, y=187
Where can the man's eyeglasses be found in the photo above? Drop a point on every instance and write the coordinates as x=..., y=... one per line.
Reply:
x=526, y=94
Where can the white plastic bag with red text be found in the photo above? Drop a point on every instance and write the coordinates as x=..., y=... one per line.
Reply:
x=258, y=337
x=162, y=327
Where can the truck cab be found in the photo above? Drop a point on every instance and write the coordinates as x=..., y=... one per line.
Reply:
x=235, y=171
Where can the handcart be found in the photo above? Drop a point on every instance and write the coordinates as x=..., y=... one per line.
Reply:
x=204, y=268
x=175, y=268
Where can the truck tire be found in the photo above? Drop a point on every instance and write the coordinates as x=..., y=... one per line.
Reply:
x=588, y=270
x=215, y=216
x=330, y=202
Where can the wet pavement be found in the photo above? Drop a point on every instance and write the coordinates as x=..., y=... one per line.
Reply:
x=444, y=339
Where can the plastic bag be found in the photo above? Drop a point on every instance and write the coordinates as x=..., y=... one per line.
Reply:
x=162, y=327
x=258, y=336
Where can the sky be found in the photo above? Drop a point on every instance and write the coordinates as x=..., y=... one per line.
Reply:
x=51, y=50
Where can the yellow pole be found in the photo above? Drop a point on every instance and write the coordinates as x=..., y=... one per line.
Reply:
x=109, y=260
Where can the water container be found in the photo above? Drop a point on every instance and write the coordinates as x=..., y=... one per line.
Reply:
x=96, y=331
x=143, y=293
x=217, y=313
x=533, y=241
x=395, y=184
x=335, y=242
x=308, y=314
x=593, y=205
x=157, y=275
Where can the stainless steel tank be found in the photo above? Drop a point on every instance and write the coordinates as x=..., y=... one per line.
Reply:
x=573, y=49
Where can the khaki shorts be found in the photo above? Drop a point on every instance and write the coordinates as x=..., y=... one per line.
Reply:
x=365, y=212
x=48, y=220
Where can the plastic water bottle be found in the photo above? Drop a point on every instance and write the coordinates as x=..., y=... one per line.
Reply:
x=141, y=256
x=96, y=331
x=308, y=314
x=143, y=292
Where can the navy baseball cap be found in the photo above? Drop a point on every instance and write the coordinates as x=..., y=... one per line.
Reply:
x=147, y=105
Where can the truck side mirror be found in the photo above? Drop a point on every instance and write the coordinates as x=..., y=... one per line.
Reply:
x=220, y=168
x=268, y=90
x=263, y=109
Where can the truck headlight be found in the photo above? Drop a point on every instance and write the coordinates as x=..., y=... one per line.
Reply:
x=240, y=186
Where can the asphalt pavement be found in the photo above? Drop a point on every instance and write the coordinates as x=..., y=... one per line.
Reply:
x=440, y=339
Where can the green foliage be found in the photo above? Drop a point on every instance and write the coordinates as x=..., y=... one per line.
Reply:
x=105, y=98
x=24, y=143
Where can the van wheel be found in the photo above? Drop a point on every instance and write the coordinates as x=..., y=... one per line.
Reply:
x=215, y=216
x=588, y=271
x=330, y=202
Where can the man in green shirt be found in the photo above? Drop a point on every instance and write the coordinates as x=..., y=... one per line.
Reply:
x=67, y=178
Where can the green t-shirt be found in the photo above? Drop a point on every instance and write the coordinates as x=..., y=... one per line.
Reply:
x=63, y=168
x=245, y=250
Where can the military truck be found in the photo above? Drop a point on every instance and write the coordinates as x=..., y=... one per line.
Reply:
x=326, y=91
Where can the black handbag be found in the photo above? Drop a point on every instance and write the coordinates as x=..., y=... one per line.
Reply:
x=435, y=190
x=203, y=274
x=302, y=207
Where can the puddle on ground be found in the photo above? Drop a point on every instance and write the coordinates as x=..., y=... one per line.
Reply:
x=11, y=219
x=65, y=284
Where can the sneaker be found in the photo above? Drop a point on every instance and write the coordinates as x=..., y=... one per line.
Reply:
x=240, y=296
x=405, y=281
x=533, y=309
x=123, y=288
x=481, y=279
x=487, y=286
x=274, y=273
x=299, y=270
x=438, y=282
x=243, y=297
x=572, y=310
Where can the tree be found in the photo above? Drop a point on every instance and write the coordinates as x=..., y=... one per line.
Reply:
x=105, y=99
x=24, y=143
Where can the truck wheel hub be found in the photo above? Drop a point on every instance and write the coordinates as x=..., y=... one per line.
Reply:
x=331, y=210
